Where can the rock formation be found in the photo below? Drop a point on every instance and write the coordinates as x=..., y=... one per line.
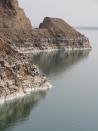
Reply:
x=58, y=26
x=17, y=74
x=11, y=16
x=63, y=35
x=52, y=34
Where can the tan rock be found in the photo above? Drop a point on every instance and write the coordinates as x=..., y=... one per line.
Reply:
x=58, y=27
x=12, y=16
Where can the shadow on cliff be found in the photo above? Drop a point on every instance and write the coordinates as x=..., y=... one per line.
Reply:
x=19, y=110
x=57, y=62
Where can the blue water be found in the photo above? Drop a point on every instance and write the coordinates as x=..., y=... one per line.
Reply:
x=72, y=103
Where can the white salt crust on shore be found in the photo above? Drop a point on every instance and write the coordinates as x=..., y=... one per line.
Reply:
x=46, y=86
x=29, y=51
x=21, y=94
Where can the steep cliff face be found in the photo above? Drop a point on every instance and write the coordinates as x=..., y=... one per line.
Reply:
x=53, y=33
x=12, y=16
x=18, y=76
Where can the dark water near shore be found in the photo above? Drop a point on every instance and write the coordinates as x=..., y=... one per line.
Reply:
x=72, y=103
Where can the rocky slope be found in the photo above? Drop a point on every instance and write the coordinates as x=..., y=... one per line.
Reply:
x=17, y=75
x=12, y=16
x=53, y=33
x=58, y=36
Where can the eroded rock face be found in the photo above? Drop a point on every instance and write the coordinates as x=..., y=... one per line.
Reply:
x=18, y=76
x=9, y=4
x=52, y=34
x=59, y=27
x=12, y=16
x=64, y=34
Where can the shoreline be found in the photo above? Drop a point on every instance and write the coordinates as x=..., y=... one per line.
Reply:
x=18, y=75
x=22, y=94
x=27, y=51
x=46, y=85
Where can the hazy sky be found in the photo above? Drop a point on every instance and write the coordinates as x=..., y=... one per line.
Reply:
x=76, y=12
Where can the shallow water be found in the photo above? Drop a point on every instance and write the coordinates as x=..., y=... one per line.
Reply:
x=71, y=105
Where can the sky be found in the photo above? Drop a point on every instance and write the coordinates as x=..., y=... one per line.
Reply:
x=75, y=12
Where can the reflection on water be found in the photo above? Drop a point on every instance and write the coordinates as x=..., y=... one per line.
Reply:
x=58, y=61
x=19, y=110
x=49, y=63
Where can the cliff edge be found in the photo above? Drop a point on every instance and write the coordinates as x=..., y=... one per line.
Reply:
x=52, y=34
x=18, y=76
x=12, y=16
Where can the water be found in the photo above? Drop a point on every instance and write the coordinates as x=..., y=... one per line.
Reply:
x=72, y=103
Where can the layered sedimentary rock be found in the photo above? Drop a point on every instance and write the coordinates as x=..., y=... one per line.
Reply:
x=18, y=75
x=64, y=34
x=52, y=34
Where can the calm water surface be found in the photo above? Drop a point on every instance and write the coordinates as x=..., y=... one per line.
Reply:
x=72, y=103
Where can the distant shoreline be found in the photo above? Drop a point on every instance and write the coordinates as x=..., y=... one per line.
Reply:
x=87, y=28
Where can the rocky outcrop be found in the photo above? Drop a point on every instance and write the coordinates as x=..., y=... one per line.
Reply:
x=64, y=34
x=52, y=34
x=18, y=76
x=58, y=27
x=12, y=16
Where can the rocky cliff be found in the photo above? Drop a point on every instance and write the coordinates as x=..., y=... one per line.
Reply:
x=53, y=33
x=17, y=75
x=12, y=16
